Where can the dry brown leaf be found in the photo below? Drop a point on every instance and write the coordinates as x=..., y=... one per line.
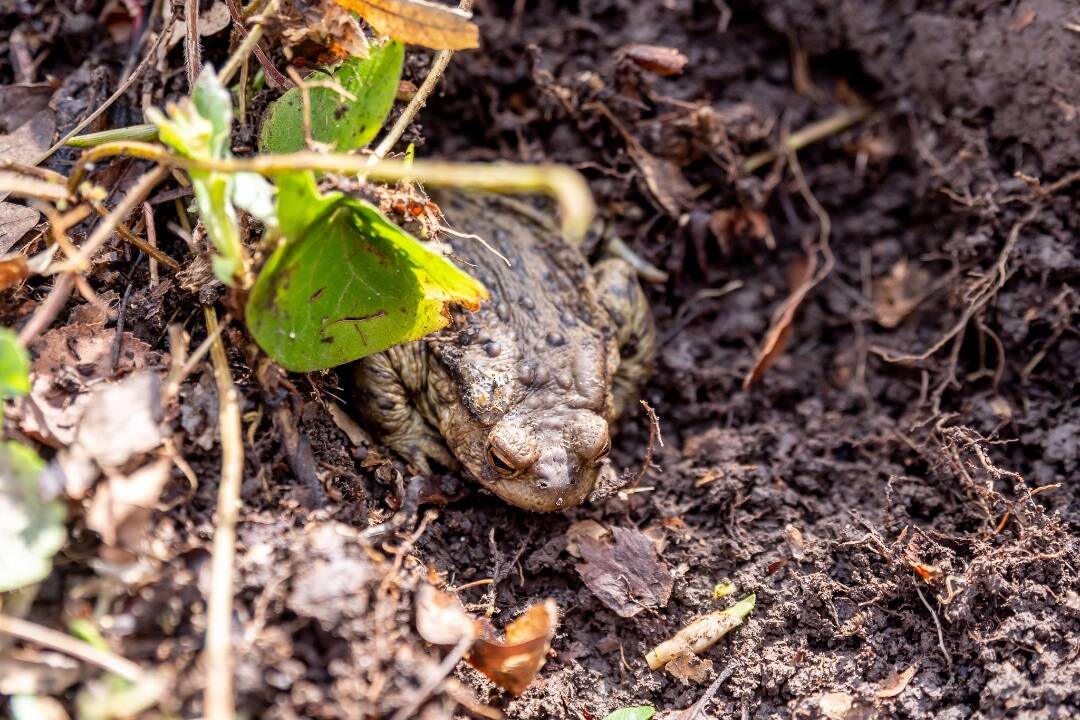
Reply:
x=1023, y=19
x=928, y=573
x=663, y=61
x=625, y=574
x=418, y=22
x=22, y=102
x=212, y=20
x=15, y=221
x=896, y=683
x=663, y=178
x=512, y=662
x=318, y=33
x=582, y=528
x=122, y=420
x=13, y=268
x=689, y=668
x=123, y=505
x=731, y=224
x=897, y=294
x=441, y=619
x=801, y=274
x=27, y=141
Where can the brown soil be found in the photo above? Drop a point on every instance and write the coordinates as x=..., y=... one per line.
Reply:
x=900, y=488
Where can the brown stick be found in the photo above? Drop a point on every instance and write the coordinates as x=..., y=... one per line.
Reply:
x=218, y=700
x=192, y=43
x=47, y=637
x=124, y=86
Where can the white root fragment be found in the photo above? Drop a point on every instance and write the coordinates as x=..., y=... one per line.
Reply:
x=701, y=634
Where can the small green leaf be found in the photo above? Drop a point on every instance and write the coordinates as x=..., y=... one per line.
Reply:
x=638, y=712
x=200, y=128
x=31, y=528
x=347, y=282
x=14, y=366
x=338, y=121
x=742, y=608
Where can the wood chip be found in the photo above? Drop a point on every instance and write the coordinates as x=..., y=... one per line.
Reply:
x=663, y=61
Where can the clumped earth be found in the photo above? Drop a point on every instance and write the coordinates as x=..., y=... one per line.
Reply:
x=898, y=486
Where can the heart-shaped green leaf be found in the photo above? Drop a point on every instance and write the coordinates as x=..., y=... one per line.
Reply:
x=339, y=121
x=346, y=282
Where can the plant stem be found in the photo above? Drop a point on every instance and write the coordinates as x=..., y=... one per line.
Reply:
x=419, y=100
x=560, y=182
x=219, y=703
x=47, y=637
x=812, y=133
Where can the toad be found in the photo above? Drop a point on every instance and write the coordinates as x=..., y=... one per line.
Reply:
x=521, y=393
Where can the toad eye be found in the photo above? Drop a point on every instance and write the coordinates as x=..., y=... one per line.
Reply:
x=498, y=461
x=604, y=451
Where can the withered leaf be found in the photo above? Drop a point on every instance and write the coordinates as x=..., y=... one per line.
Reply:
x=663, y=178
x=656, y=59
x=440, y=618
x=626, y=575
x=122, y=419
x=582, y=527
x=512, y=662
x=801, y=278
x=13, y=269
x=123, y=504
x=15, y=221
x=689, y=668
x=418, y=22
x=897, y=683
x=897, y=294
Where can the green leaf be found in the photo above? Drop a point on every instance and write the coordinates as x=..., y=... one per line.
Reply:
x=742, y=608
x=347, y=282
x=638, y=712
x=200, y=128
x=14, y=366
x=31, y=528
x=338, y=121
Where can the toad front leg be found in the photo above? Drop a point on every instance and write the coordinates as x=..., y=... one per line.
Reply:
x=621, y=295
x=389, y=385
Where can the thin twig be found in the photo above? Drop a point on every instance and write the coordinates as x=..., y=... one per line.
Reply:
x=419, y=100
x=121, y=315
x=192, y=43
x=48, y=309
x=698, y=709
x=436, y=678
x=109, y=661
x=108, y=225
x=986, y=290
x=785, y=314
x=812, y=133
x=218, y=700
x=125, y=232
x=124, y=86
x=151, y=240
x=251, y=44
x=937, y=624
x=654, y=437
x=172, y=386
